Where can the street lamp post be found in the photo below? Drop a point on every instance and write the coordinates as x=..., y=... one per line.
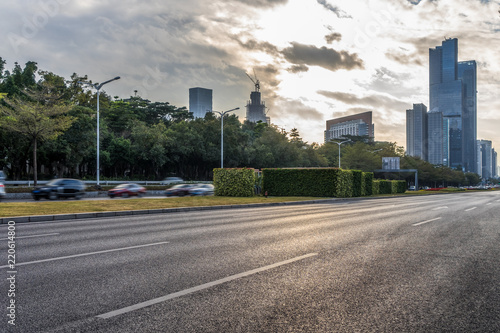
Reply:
x=98, y=87
x=222, y=113
x=339, y=143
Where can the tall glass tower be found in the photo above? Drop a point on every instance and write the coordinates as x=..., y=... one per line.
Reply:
x=452, y=87
x=416, y=131
x=467, y=73
x=200, y=101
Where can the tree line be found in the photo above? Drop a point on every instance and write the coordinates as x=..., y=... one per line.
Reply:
x=48, y=129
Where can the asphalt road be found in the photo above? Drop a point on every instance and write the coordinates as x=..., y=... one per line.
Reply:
x=403, y=264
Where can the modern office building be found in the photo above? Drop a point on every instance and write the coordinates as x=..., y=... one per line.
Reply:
x=360, y=124
x=467, y=73
x=452, y=94
x=485, y=150
x=416, y=131
x=200, y=101
x=494, y=164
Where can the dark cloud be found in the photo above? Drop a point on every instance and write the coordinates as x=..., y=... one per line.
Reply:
x=288, y=108
x=380, y=102
x=263, y=3
x=255, y=45
x=334, y=9
x=300, y=54
x=405, y=58
x=298, y=69
x=334, y=36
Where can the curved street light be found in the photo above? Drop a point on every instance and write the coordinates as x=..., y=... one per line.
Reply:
x=98, y=87
x=339, y=143
x=222, y=113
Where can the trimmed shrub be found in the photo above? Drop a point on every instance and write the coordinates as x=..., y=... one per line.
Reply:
x=357, y=183
x=300, y=182
x=399, y=186
x=385, y=186
x=345, y=184
x=376, y=187
x=368, y=183
x=234, y=182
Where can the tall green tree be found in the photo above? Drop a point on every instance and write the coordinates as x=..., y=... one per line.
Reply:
x=40, y=116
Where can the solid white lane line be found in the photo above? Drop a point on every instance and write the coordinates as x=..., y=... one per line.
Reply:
x=419, y=223
x=32, y=236
x=199, y=288
x=442, y=207
x=468, y=210
x=84, y=254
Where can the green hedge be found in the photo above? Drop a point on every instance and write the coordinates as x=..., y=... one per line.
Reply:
x=357, y=183
x=400, y=186
x=389, y=186
x=385, y=187
x=234, y=182
x=316, y=182
x=367, y=183
x=376, y=187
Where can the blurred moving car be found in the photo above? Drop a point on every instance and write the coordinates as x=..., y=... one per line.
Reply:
x=179, y=190
x=202, y=189
x=2, y=191
x=126, y=190
x=171, y=180
x=60, y=188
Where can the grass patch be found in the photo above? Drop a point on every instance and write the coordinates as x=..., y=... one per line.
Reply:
x=70, y=206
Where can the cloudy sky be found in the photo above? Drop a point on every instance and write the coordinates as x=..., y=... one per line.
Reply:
x=315, y=59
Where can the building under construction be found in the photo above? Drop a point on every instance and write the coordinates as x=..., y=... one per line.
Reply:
x=256, y=108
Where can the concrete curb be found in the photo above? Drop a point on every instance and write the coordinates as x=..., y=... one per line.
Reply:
x=79, y=216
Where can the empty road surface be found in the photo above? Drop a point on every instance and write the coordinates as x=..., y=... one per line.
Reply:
x=402, y=264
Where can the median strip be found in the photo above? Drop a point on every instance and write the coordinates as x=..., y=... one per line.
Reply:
x=200, y=287
x=84, y=254
x=424, y=222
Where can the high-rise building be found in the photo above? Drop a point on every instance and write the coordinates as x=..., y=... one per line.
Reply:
x=437, y=143
x=452, y=93
x=200, y=101
x=416, y=131
x=494, y=165
x=256, y=108
x=356, y=125
x=486, y=153
x=467, y=73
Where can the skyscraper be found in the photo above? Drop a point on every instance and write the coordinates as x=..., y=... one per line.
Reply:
x=486, y=152
x=416, y=131
x=452, y=97
x=200, y=101
x=467, y=73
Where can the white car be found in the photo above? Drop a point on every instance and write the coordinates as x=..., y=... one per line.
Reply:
x=202, y=189
x=172, y=180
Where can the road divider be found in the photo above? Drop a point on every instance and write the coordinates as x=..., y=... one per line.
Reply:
x=200, y=287
x=85, y=254
x=424, y=222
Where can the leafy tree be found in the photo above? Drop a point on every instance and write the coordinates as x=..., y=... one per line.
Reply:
x=41, y=116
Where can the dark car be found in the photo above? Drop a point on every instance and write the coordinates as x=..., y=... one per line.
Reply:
x=202, y=189
x=179, y=190
x=60, y=188
x=126, y=190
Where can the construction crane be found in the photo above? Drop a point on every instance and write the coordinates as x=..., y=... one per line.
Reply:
x=256, y=82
